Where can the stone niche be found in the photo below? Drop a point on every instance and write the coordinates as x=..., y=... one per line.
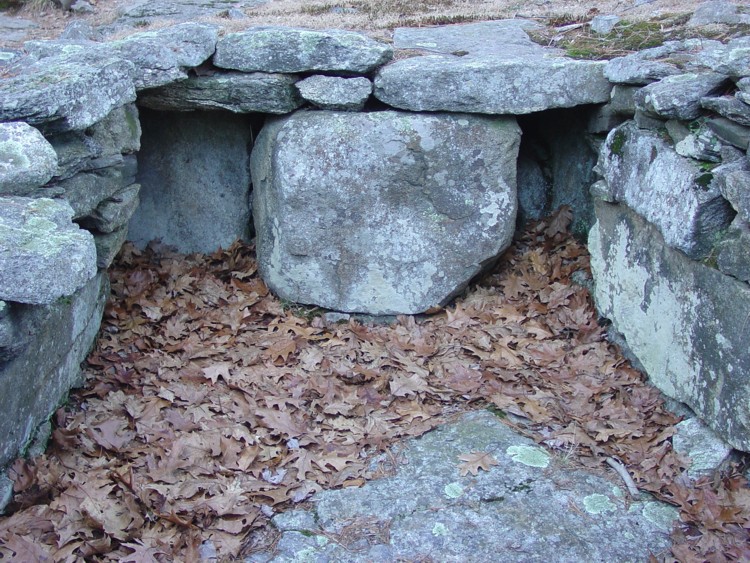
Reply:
x=377, y=186
x=194, y=172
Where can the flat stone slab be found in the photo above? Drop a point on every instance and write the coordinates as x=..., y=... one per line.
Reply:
x=43, y=254
x=495, y=38
x=526, y=507
x=490, y=84
x=58, y=93
x=382, y=212
x=286, y=49
x=233, y=91
x=679, y=96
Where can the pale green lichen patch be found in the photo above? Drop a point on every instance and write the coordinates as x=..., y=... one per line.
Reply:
x=598, y=504
x=439, y=529
x=453, y=490
x=307, y=554
x=321, y=540
x=529, y=455
x=660, y=514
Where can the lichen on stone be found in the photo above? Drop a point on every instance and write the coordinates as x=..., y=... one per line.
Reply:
x=597, y=504
x=529, y=455
x=453, y=490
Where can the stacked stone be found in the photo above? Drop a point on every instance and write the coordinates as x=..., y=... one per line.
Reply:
x=671, y=246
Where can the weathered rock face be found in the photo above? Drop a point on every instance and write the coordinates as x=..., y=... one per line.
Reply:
x=425, y=507
x=668, y=309
x=56, y=93
x=281, y=49
x=233, y=91
x=195, y=181
x=382, y=212
x=643, y=171
x=43, y=255
x=46, y=360
x=336, y=93
x=27, y=160
x=491, y=85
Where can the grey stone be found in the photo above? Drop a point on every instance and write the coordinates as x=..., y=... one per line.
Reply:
x=99, y=146
x=491, y=38
x=195, y=180
x=108, y=245
x=86, y=190
x=80, y=30
x=491, y=85
x=81, y=7
x=534, y=189
x=43, y=255
x=295, y=520
x=332, y=318
x=622, y=99
x=705, y=449
x=635, y=70
x=732, y=59
x=717, y=11
x=604, y=24
x=604, y=119
x=743, y=97
x=145, y=11
x=6, y=492
x=14, y=29
x=114, y=212
x=333, y=92
x=730, y=132
x=279, y=49
x=644, y=172
x=8, y=335
x=733, y=180
x=667, y=305
x=700, y=144
x=165, y=55
x=57, y=93
x=428, y=511
x=233, y=91
x=404, y=211
x=27, y=160
x=34, y=383
x=733, y=252
x=729, y=107
x=678, y=97
x=744, y=85
x=646, y=121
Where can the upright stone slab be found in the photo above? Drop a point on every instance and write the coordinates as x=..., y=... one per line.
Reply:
x=195, y=180
x=685, y=322
x=382, y=212
x=54, y=340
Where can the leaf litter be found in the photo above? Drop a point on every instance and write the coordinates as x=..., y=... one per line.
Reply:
x=210, y=405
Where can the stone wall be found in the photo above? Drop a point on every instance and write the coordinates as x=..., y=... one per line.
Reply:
x=379, y=186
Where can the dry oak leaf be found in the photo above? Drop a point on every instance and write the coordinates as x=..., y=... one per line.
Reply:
x=475, y=461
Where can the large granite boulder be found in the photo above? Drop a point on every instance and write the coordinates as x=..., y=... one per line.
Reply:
x=27, y=160
x=643, y=171
x=382, y=212
x=283, y=49
x=195, y=180
x=43, y=254
x=685, y=322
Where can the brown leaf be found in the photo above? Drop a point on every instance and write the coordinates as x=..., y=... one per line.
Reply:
x=474, y=461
